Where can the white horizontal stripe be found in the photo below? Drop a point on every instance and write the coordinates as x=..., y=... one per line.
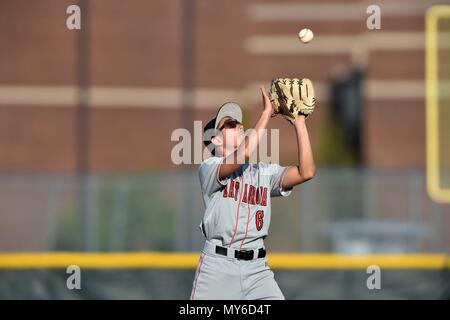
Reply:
x=337, y=12
x=48, y=95
x=266, y=44
x=400, y=89
x=112, y=96
x=136, y=97
x=395, y=90
x=329, y=45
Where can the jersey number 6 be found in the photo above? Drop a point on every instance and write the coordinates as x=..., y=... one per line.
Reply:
x=259, y=219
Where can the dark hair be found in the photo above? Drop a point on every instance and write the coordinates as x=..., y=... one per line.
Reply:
x=208, y=133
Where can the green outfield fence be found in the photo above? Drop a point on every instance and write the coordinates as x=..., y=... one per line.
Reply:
x=137, y=236
x=154, y=275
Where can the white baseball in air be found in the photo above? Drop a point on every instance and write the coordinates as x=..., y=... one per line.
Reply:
x=306, y=35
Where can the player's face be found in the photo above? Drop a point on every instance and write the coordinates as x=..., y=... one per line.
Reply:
x=232, y=133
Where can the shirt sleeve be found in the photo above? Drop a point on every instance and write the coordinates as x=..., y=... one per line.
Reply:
x=209, y=175
x=277, y=173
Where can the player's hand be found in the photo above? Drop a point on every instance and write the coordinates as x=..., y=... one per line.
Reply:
x=266, y=101
x=301, y=119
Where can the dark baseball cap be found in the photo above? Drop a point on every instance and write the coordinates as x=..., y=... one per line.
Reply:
x=229, y=109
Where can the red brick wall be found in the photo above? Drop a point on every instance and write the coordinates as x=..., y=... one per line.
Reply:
x=138, y=44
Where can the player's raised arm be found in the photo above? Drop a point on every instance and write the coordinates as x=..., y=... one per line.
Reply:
x=236, y=159
x=295, y=101
x=306, y=169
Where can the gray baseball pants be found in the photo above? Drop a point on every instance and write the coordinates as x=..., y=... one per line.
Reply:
x=220, y=277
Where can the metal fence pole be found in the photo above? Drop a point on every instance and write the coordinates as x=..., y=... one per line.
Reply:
x=82, y=118
x=188, y=74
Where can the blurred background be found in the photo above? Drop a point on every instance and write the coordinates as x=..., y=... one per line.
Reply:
x=86, y=118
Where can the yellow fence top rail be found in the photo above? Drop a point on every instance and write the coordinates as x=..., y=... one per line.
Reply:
x=160, y=260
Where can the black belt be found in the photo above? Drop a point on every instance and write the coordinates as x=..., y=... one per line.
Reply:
x=241, y=254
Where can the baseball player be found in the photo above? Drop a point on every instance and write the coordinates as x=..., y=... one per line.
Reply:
x=237, y=196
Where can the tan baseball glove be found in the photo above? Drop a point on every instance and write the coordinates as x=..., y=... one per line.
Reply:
x=292, y=97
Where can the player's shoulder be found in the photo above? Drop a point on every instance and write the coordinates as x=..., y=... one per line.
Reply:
x=210, y=161
x=267, y=168
x=261, y=165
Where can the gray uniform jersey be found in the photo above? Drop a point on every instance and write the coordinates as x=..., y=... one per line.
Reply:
x=238, y=208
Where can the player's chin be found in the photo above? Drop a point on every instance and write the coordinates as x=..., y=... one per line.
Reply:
x=238, y=141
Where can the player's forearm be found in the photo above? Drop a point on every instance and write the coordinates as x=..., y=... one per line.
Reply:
x=306, y=165
x=242, y=154
x=251, y=141
x=306, y=168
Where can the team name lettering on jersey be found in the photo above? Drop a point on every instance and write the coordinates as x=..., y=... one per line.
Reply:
x=252, y=194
